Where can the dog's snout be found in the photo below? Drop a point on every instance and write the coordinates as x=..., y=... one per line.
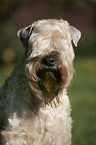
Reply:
x=49, y=61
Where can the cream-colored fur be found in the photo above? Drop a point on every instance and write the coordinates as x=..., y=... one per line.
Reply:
x=50, y=126
x=22, y=122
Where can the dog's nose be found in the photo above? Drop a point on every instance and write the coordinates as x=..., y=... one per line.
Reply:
x=49, y=61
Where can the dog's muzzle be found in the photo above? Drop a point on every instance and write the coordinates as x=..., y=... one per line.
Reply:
x=48, y=66
x=48, y=75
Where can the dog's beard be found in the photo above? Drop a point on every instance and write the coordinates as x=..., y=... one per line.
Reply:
x=49, y=83
x=46, y=82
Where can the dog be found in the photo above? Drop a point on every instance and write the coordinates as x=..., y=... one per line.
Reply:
x=34, y=106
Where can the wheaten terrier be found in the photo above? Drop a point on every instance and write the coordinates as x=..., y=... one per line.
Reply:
x=34, y=106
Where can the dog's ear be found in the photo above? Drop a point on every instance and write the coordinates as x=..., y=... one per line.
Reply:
x=75, y=35
x=24, y=34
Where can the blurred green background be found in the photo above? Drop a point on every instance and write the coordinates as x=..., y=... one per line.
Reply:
x=82, y=90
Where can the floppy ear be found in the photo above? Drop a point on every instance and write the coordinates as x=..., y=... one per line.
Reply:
x=75, y=35
x=24, y=34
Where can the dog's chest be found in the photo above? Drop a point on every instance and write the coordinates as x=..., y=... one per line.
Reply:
x=50, y=126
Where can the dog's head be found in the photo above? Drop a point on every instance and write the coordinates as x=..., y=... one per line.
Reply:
x=49, y=56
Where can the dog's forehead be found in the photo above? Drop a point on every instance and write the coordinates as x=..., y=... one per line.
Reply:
x=54, y=28
x=50, y=31
x=51, y=24
x=51, y=35
x=48, y=36
x=44, y=46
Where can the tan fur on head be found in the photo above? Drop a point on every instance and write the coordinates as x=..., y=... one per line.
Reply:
x=50, y=36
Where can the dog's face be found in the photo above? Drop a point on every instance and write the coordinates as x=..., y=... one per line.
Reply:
x=49, y=56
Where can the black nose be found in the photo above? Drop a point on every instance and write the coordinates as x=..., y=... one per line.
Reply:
x=49, y=61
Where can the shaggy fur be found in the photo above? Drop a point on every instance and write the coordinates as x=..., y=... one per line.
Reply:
x=34, y=106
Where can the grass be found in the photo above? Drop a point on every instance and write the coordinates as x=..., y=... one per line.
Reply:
x=82, y=93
